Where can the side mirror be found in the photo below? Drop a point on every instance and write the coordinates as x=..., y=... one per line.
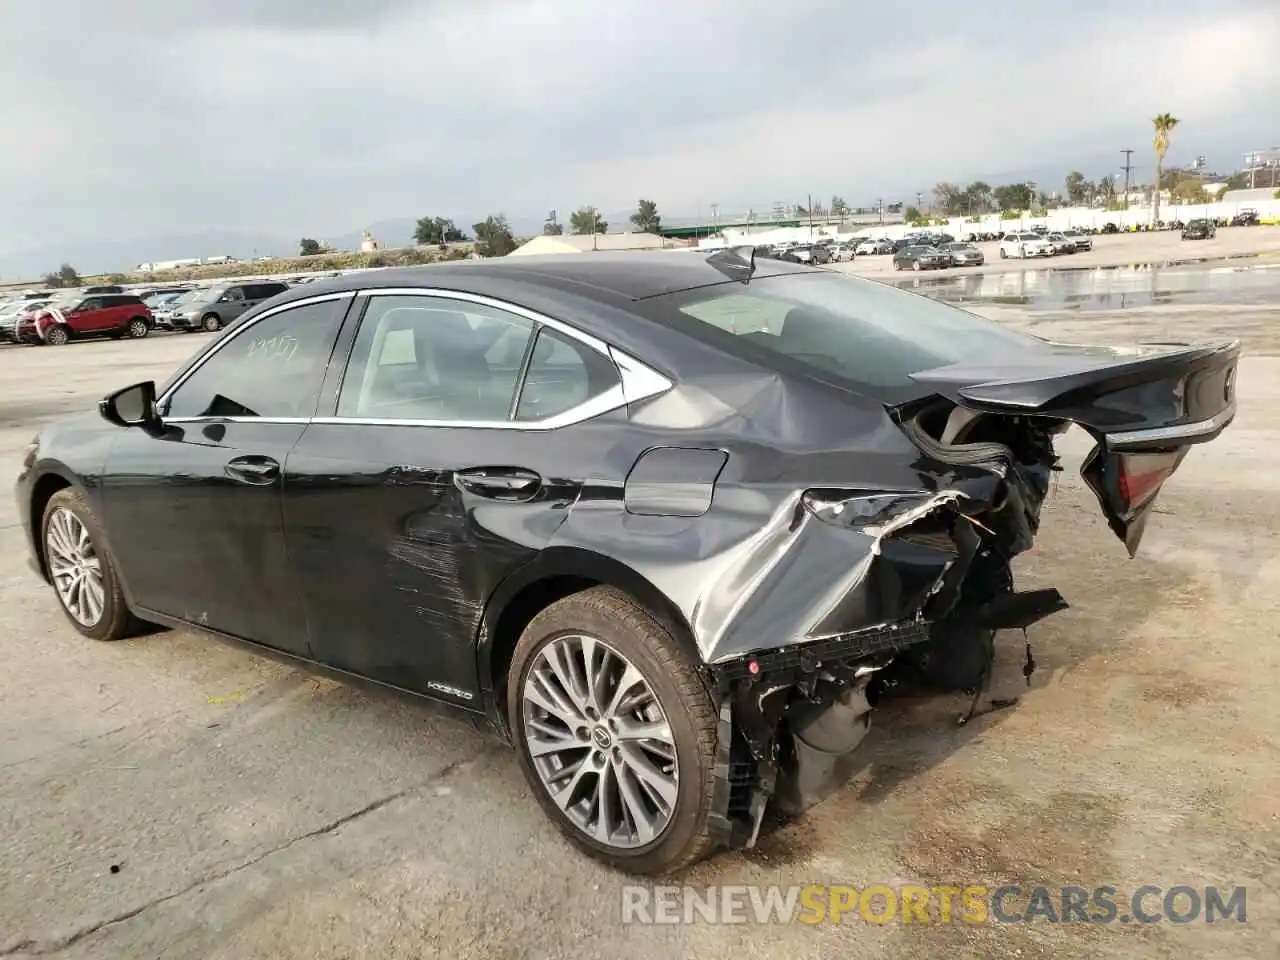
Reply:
x=133, y=406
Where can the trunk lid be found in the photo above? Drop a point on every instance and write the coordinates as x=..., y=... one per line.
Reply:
x=1144, y=405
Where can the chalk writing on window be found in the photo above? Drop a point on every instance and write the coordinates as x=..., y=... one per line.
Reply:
x=280, y=347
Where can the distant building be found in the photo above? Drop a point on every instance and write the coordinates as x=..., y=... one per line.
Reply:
x=575, y=243
x=370, y=243
x=1262, y=168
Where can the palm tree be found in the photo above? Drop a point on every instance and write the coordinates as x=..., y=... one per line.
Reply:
x=1164, y=125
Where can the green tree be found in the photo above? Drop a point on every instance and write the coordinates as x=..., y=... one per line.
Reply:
x=1188, y=191
x=646, y=218
x=1164, y=124
x=977, y=197
x=551, y=227
x=66, y=276
x=911, y=215
x=1107, y=189
x=493, y=236
x=587, y=221
x=1077, y=188
x=950, y=198
x=309, y=248
x=1238, y=181
x=436, y=231
x=1276, y=195
x=1013, y=196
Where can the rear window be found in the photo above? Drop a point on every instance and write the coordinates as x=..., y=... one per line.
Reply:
x=855, y=332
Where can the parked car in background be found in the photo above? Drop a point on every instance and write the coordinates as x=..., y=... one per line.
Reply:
x=921, y=258
x=875, y=247
x=1022, y=245
x=1248, y=217
x=843, y=252
x=964, y=255
x=212, y=308
x=13, y=312
x=1060, y=243
x=86, y=315
x=1081, y=239
x=1199, y=229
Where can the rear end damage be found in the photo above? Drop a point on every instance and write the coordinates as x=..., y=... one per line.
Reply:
x=919, y=581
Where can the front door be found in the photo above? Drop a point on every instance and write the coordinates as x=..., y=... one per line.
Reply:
x=407, y=507
x=198, y=501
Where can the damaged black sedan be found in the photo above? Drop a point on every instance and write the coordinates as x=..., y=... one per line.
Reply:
x=670, y=523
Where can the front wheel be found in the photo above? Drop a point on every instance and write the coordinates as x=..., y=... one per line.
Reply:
x=915, y=265
x=615, y=731
x=80, y=569
x=212, y=323
x=56, y=336
x=138, y=328
x=1003, y=254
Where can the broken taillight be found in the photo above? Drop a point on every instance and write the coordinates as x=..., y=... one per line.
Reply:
x=1139, y=476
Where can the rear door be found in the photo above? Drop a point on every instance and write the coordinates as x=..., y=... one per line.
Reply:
x=436, y=475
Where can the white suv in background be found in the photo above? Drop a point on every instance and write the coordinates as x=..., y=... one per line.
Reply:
x=1024, y=245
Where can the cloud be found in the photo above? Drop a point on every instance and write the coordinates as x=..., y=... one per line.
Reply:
x=141, y=116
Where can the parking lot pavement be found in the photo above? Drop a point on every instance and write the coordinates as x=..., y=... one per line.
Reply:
x=1111, y=250
x=169, y=796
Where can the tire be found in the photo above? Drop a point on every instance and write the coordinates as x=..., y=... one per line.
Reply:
x=138, y=328
x=1003, y=254
x=211, y=323
x=897, y=265
x=68, y=512
x=626, y=631
x=915, y=265
x=57, y=336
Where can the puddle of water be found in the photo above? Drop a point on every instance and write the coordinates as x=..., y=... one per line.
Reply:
x=1104, y=288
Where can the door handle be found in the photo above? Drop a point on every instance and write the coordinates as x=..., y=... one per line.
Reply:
x=499, y=483
x=259, y=471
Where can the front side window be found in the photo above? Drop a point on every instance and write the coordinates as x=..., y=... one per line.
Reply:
x=271, y=368
x=433, y=358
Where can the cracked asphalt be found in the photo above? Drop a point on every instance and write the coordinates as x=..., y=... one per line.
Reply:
x=168, y=796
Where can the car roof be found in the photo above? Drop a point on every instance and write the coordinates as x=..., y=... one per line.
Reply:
x=605, y=276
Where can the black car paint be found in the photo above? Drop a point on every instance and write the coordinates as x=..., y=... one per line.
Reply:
x=782, y=509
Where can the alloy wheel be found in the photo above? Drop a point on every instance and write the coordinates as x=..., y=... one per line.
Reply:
x=600, y=741
x=56, y=337
x=138, y=329
x=212, y=323
x=75, y=567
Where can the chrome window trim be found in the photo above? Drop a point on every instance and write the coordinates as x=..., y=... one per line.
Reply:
x=636, y=381
x=230, y=335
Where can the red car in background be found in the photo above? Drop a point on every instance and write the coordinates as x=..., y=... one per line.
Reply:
x=112, y=315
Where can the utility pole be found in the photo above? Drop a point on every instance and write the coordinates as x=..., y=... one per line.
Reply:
x=1127, y=167
x=880, y=204
x=811, y=216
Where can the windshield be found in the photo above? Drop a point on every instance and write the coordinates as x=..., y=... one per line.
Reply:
x=960, y=246
x=196, y=296
x=855, y=331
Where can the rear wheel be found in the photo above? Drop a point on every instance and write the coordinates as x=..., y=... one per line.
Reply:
x=56, y=336
x=615, y=731
x=80, y=569
x=915, y=265
x=1003, y=254
x=138, y=328
x=211, y=323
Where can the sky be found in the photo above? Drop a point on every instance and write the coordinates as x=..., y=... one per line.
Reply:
x=313, y=117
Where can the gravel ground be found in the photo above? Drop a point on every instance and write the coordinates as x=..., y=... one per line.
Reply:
x=169, y=796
